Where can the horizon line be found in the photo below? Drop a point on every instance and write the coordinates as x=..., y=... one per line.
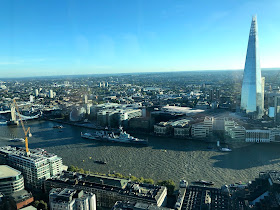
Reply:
x=143, y=72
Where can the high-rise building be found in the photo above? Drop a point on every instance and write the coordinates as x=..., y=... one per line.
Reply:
x=31, y=98
x=36, y=167
x=277, y=109
x=36, y=92
x=51, y=94
x=85, y=99
x=252, y=93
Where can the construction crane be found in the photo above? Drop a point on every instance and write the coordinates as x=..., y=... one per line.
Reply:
x=27, y=132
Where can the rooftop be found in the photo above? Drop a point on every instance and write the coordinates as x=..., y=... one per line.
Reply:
x=120, y=205
x=121, y=186
x=36, y=155
x=183, y=110
x=21, y=196
x=7, y=171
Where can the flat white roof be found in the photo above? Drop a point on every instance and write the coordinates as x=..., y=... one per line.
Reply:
x=7, y=171
x=184, y=110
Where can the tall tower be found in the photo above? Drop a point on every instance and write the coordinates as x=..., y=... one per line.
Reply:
x=51, y=94
x=252, y=93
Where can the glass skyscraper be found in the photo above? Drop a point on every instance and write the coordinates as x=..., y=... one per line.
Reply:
x=252, y=97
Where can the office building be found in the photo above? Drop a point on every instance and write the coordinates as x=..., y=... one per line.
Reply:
x=71, y=199
x=31, y=98
x=120, y=205
x=199, y=130
x=36, y=92
x=36, y=167
x=237, y=133
x=258, y=136
x=261, y=193
x=117, y=117
x=109, y=190
x=253, y=84
x=163, y=129
x=198, y=197
x=277, y=109
x=85, y=99
x=11, y=180
x=51, y=94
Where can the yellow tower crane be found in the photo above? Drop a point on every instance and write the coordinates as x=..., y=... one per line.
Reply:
x=27, y=132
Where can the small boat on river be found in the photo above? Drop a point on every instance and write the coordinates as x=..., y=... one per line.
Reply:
x=203, y=182
x=100, y=162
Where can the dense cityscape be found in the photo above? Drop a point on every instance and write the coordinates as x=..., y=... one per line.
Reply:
x=178, y=140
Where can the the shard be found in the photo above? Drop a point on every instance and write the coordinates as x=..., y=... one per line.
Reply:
x=252, y=87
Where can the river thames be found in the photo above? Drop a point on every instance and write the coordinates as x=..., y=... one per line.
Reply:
x=164, y=158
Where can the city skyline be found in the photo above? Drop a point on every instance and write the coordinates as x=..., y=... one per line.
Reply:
x=92, y=38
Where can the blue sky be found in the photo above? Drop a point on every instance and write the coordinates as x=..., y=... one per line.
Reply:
x=57, y=37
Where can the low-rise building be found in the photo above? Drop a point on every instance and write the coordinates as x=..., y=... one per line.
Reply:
x=275, y=134
x=140, y=124
x=258, y=136
x=237, y=133
x=120, y=205
x=117, y=117
x=163, y=129
x=261, y=193
x=109, y=190
x=199, y=130
x=20, y=199
x=71, y=199
x=181, y=128
x=198, y=197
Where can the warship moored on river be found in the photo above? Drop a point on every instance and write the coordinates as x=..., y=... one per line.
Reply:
x=111, y=137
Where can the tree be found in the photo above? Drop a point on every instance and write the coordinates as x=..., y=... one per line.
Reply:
x=133, y=178
x=40, y=205
x=149, y=181
x=71, y=168
x=141, y=179
x=36, y=203
x=169, y=184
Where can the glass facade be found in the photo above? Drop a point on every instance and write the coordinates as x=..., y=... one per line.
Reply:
x=251, y=95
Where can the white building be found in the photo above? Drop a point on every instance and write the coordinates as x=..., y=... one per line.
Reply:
x=31, y=98
x=237, y=133
x=200, y=130
x=51, y=95
x=209, y=122
x=230, y=124
x=181, y=128
x=117, y=117
x=71, y=199
x=36, y=167
x=11, y=180
x=258, y=136
x=162, y=128
x=36, y=92
x=275, y=134
x=85, y=99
